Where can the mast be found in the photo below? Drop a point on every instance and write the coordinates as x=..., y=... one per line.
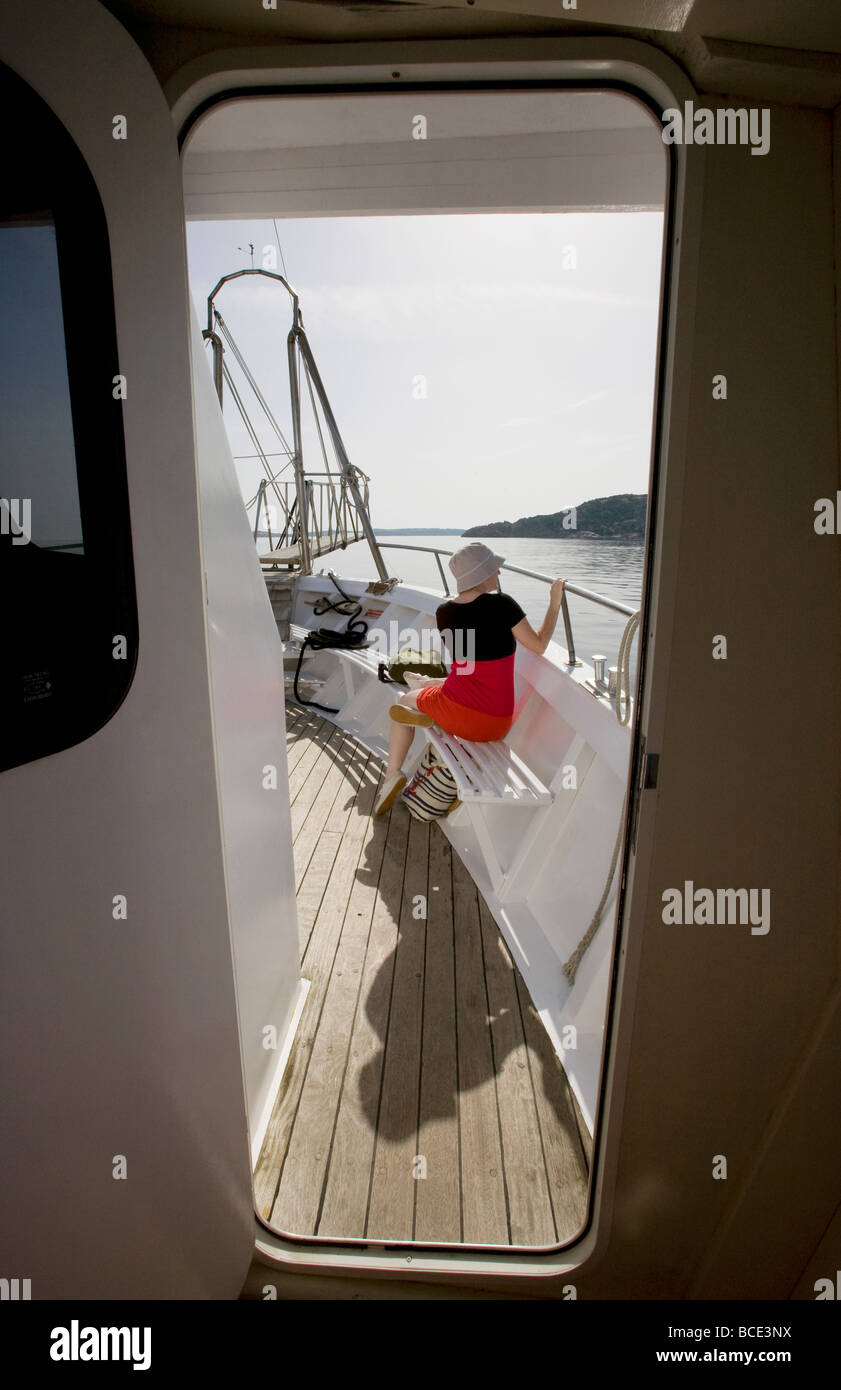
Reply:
x=298, y=352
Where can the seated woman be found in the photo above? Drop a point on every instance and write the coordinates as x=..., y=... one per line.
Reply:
x=481, y=626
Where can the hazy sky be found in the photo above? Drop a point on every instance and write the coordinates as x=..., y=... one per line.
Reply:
x=539, y=376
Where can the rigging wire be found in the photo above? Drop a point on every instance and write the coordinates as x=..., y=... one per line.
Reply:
x=337, y=500
x=246, y=371
x=273, y=478
x=227, y=335
x=237, y=399
x=331, y=500
x=238, y=402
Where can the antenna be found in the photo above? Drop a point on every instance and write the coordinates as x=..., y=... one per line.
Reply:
x=279, y=247
x=251, y=249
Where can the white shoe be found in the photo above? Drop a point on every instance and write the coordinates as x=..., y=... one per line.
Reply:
x=390, y=792
x=416, y=681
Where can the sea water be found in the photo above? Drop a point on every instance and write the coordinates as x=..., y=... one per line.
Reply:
x=612, y=568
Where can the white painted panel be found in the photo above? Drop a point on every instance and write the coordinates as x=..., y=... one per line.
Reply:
x=565, y=897
x=121, y=1037
x=246, y=667
x=303, y=156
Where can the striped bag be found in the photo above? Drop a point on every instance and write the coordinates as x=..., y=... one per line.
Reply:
x=432, y=790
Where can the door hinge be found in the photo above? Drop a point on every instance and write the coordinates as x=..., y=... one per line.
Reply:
x=649, y=767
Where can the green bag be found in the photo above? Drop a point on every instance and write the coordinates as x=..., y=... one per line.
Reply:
x=409, y=660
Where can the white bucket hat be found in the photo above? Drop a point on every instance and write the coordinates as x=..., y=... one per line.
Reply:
x=474, y=563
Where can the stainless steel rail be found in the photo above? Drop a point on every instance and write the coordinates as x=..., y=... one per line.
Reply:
x=576, y=589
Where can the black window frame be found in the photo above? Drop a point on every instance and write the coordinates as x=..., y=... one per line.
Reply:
x=59, y=679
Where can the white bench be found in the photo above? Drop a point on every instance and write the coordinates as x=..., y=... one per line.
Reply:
x=490, y=777
x=366, y=658
x=488, y=772
x=353, y=687
x=483, y=772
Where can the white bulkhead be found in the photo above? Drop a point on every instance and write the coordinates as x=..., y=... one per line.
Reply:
x=141, y=1039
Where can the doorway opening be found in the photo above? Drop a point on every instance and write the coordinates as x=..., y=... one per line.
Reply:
x=481, y=277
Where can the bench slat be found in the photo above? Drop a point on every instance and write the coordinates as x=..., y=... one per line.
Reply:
x=512, y=769
x=489, y=767
x=489, y=772
x=519, y=770
x=501, y=755
x=470, y=767
x=466, y=778
x=465, y=771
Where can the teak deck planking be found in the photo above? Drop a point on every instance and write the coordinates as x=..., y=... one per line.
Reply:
x=422, y=1100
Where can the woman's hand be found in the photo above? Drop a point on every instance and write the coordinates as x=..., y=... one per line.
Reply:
x=539, y=641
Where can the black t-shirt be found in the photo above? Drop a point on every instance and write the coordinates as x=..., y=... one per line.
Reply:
x=481, y=645
x=490, y=617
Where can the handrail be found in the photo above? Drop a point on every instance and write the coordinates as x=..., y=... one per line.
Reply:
x=530, y=574
x=576, y=589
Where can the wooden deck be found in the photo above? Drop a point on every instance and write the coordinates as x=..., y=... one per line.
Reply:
x=422, y=1100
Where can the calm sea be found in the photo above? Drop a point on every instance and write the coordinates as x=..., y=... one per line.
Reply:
x=607, y=567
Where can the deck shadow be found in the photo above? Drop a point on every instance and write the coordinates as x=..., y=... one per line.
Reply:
x=420, y=1054
x=468, y=935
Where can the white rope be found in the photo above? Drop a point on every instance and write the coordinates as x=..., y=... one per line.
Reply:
x=575, y=959
x=623, y=668
x=623, y=691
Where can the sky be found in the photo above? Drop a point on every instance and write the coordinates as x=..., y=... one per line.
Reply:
x=478, y=368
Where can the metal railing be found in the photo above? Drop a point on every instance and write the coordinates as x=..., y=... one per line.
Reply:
x=576, y=589
x=333, y=521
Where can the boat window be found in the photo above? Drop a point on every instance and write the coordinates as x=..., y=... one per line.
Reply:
x=70, y=621
x=480, y=273
x=37, y=443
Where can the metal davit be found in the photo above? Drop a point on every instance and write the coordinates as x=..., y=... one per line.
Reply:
x=328, y=509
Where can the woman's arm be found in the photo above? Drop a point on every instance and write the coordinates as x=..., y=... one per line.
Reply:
x=539, y=641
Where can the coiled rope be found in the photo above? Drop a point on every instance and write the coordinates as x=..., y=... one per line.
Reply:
x=353, y=635
x=623, y=692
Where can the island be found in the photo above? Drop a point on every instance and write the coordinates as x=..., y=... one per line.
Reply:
x=418, y=531
x=621, y=517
